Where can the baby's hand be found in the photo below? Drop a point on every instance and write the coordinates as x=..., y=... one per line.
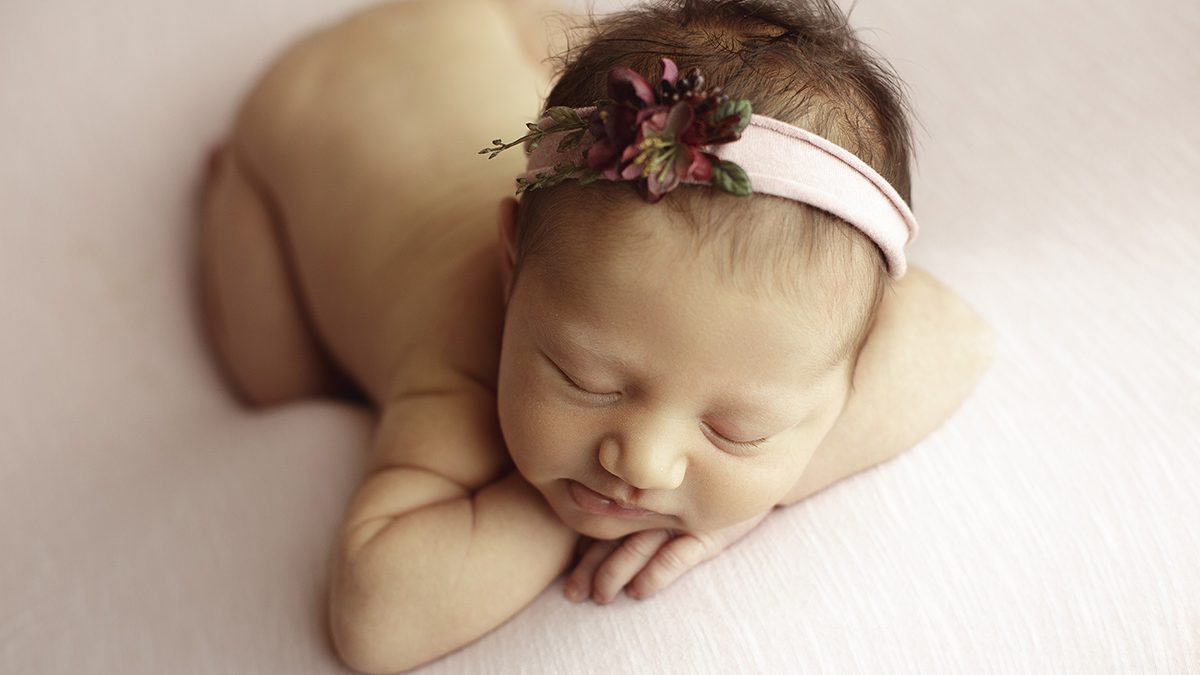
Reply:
x=645, y=562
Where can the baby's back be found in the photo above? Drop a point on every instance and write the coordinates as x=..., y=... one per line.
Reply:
x=366, y=134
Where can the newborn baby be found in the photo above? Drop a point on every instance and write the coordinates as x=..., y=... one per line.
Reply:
x=642, y=350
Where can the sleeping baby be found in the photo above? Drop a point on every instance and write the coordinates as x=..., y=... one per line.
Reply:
x=669, y=297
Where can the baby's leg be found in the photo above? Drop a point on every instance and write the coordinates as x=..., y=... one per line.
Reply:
x=253, y=319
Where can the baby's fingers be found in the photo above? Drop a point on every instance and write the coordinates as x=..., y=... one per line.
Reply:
x=678, y=556
x=625, y=562
x=579, y=584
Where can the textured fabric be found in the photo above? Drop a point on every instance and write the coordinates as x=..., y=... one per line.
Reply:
x=151, y=526
x=786, y=161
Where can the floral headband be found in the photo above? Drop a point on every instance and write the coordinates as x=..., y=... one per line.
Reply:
x=682, y=133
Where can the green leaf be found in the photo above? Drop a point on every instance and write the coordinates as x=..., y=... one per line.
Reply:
x=564, y=115
x=731, y=178
x=570, y=140
x=739, y=107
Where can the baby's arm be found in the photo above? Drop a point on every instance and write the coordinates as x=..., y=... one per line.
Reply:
x=431, y=558
x=926, y=351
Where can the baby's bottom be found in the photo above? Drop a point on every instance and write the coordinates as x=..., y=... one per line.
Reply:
x=256, y=322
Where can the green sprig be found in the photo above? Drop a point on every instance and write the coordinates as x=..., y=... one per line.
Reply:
x=566, y=119
x=562, y=171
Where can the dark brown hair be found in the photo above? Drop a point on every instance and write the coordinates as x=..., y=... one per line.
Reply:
x=797, y=61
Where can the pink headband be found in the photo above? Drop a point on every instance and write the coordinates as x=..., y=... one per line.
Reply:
x=790, y=162
x=682, y=133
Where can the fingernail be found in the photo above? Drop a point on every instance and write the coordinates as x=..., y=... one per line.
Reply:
x=574, y=594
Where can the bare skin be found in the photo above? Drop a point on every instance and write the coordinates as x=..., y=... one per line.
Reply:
x=380, y=222
x=350, y=247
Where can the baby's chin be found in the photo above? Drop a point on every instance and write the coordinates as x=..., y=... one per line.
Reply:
x=605, y=527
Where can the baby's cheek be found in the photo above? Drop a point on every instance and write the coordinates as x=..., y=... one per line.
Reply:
x=734, y=495
x=539, y=443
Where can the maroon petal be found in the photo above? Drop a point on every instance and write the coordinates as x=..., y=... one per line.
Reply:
x=620, y=125
x=655, y=118
x=700, y=169
x=662, y=182
x=631, y=171
x=600, y=155
x=696, y=134
x=627, y=86
x=678, y=120
x=644, y=190
x=670, y=71
x=596, y=123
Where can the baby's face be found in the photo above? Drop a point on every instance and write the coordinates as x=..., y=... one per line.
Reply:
x=645, y=379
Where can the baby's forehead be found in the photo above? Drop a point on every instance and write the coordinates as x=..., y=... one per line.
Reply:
x=643, y=252
x=653, y=262
x=611, y=320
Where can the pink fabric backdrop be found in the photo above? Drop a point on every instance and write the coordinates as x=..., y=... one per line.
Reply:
x=151, y=526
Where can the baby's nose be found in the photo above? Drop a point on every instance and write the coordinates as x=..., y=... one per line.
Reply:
x=646, y=461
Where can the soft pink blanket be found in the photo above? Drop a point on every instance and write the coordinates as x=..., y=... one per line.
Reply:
x=151, y=526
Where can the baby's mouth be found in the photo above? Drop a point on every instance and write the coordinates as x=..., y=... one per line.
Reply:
x=594, y=502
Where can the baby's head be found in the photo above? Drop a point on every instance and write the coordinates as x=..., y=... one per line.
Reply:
x=688, y=356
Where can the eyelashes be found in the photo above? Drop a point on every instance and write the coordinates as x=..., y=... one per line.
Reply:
x=572, y=384
x=566, y=378
x=751, y=444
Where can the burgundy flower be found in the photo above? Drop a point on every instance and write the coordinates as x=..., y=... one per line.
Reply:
x=655, y=135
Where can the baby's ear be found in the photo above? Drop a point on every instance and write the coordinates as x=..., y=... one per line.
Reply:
x=507, y=227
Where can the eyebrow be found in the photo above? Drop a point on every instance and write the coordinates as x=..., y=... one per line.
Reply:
x=742, y=403
x=566, y=338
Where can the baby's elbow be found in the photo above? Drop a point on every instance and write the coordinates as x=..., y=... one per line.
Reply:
x=974, y=341
x=357, y=654
x=356, y=644
x=372, y=632
x=949, y=327
x=366, y=649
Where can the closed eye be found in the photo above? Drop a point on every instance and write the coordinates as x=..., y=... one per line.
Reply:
x=570, y=382
x=752, y=444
